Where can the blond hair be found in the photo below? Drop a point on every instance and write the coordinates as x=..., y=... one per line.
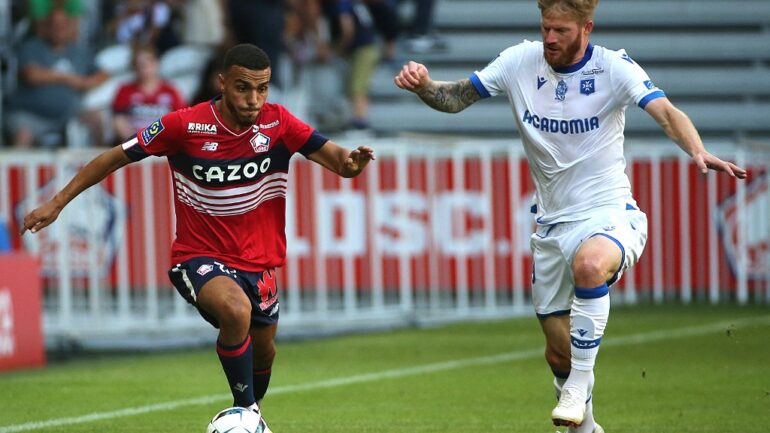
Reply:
x=582, y=10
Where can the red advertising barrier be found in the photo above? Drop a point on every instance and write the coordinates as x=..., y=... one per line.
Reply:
x=21, y=336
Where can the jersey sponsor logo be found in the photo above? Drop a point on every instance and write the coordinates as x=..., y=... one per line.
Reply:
x=648, y=84
x=201, y=128
x=205, y=269
x=152, y=131
x=571, y=126
x=231, y=172
x=594, y=71
x=272, y=124
x=540, y=82
x=260, y=143
x=561, y=90
x=587, y=86
x=210, y=146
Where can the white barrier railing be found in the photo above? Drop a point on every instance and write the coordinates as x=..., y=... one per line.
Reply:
x=435, y=229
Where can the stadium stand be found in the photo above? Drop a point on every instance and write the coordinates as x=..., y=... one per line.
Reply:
x=711, y=57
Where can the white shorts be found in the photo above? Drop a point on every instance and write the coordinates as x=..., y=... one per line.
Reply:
x=554, y=246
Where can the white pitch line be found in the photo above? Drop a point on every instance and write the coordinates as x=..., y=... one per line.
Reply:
x=647, y=337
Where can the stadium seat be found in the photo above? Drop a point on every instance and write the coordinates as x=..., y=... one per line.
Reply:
x=187, y=85
x=114, y=59
x=102, y=96
x=712, y=58
x=184, y=60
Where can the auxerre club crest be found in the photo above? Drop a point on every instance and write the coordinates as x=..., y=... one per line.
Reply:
x=587, y=86
x=260, y=143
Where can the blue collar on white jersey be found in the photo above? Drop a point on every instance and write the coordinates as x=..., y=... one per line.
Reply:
x=578, y=65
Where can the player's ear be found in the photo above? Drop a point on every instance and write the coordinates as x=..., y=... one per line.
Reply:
x=221, y=79
x=588, y=27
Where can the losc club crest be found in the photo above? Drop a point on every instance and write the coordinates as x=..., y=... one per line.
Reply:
x=260, y=143
x=756, y=230
x=93, y=225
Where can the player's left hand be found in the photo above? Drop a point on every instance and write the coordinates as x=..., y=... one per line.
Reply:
x=358, y=159
x=40, y=218
x=706, y=161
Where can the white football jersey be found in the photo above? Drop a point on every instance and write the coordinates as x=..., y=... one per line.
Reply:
x=571, y=122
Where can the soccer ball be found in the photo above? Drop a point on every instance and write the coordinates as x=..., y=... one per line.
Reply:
x=237, y=420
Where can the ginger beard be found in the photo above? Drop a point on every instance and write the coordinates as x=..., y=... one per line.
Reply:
x=559, y=57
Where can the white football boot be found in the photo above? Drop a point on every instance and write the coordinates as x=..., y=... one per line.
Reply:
x=571, y=408
x=262, y=423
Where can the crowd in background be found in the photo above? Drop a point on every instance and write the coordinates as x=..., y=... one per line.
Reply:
x=54, y=46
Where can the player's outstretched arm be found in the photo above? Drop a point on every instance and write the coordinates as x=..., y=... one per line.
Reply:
x=446, y=96
x=96, y=170
x=342, y=161
x=681, y=130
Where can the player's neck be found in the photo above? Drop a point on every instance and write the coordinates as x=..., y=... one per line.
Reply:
x=227, y=117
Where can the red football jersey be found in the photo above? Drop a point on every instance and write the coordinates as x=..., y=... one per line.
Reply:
x=229, y=187
x=146, y=107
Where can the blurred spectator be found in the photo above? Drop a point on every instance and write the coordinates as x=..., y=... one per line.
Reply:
x=39, y=10
x=145, y=22
x=54, y=71
x=385, y=17
x=260, y=22
x=353, y=36
x=421, y=35
x=306, y=38
x=147, y=98
x=209, y=85
x=204, y=23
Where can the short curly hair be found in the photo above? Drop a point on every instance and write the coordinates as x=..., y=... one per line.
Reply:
x=582, y=10
x=247, y=56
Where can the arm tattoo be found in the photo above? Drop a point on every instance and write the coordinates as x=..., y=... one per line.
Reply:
x=450, y=96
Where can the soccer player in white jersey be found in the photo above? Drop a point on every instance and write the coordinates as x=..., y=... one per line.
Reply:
x=569, y=99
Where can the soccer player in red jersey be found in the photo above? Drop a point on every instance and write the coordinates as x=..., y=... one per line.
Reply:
x=229, y=159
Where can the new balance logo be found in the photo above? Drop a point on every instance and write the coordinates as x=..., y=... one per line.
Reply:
x=210, y=146
x=240, y=387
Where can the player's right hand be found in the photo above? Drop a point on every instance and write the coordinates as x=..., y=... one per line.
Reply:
x=413, y=77
x=40, y=217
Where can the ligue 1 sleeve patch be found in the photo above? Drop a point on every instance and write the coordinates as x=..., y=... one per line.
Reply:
x=152, y=131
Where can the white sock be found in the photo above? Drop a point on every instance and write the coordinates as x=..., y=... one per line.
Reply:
x=558, y=384
x=588, y=419
x=588, y=318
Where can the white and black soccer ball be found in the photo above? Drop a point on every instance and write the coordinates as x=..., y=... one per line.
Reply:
x=237, y=420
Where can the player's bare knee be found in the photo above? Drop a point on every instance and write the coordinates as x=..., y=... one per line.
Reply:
x=234, y=316
x=589, y=271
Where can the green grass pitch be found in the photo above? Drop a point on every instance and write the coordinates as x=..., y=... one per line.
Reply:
x=667, y=369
